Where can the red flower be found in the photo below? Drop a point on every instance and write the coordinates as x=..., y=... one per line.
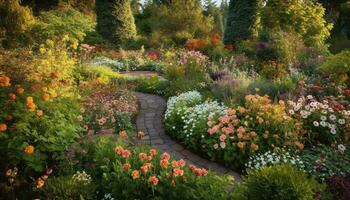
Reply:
x=347, y=92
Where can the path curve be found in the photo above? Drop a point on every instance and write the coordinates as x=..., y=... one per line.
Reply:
x=150, y=120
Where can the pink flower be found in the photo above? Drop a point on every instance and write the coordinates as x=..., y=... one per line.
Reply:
x=224, y=120
x=165, y=156
x=222, y=137
x=230, y=112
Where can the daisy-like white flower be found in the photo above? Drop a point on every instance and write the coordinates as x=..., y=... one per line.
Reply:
x=323, y=123
x=316, y=124
x=341, y=121
x=333, y=131
x=307, y=107
x=324, y=112
x=309, y=97
x=341, y=148
x=332, y=117
x=323, y=118
x=291, y=112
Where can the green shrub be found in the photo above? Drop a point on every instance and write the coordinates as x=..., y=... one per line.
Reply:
x=70, y=187
x=275, y=183
x=123, y=122
x=337, y=67
x=60, y=23
x=15, y=19
x=153, y=85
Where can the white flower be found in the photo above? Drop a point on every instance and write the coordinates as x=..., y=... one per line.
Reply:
x=316, y=123
x=291, y=112
x=323, y=123
x=324, y=112
x=332, y=117
x=323, y=118
x=333, y=131
x=341, y=121
x=309, y=97
x=341, y=148
x=222, y=145
x=307, y=107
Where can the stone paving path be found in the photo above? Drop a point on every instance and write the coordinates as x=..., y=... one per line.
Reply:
x=150, y=120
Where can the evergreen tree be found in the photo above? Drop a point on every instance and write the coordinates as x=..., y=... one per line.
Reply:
x=115, y=20
x=242, y=20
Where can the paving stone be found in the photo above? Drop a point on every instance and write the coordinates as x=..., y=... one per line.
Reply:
x=177, y=147
x=157, y=141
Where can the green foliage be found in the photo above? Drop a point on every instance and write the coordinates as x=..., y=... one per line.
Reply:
x=56, y=24
x=115, y=21
x=153, y=85
x=324, y=162
x=242, y=21
x=345, y=18
x=64, y=187
x=179, y=21
x=15, y=19
x=307, y=19
x=123, y=122
x=275, y=183
x=337, y=67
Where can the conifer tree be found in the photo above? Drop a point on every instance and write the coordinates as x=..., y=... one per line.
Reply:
x=115, y=20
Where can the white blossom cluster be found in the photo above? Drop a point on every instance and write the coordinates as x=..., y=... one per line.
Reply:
x=108, y=197
x=104, y=61
x=199, y=114
x=270, y=158
x=327, y=117
x=81, y=178
x=187, y=97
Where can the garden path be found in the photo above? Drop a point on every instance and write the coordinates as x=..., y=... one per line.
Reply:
x=150, y=120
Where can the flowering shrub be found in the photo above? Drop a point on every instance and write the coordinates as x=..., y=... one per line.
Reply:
x=270, y=158
x=325, y=123
x=192, y=57
x=104, y=61
x=323, y=161
x=100, y=109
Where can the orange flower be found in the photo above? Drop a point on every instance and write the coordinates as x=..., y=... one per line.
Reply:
x=39, y=113
x=29, y=149
x=5, y=81
x=3, y=127
x=164, y=163
x=40, y=183
x=29, y=100
x=149, y=158
x=145, y=167
x=241, y=145
x=44, y=89
x=178, y=172
x=135, y=174
x=153, y=180
x=126, y=154
x=142, y=156
x=119, y=150
x=19, y=90
x=126, y=166
x=31, y=106
x=254, y=146
x=55, y=74
x=165, y=156
x=140, y=134
x=122, y=134
x=153, y=152
x=36, y=87
x=46, y=97
x=12, y=96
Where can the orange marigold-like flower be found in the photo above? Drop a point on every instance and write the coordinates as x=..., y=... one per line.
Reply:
x=19, y=90
x=135, y=174
x=39, y=113
x=254, y=146
x=122, y=134
x=3, y=127
x=164, y=163
x=153, y=180
x=12, y=96
x=119, y=150
x=46, y=97
x=153, y=152
x=126, y=166
x=40, y=183
x=5, y=81
x=44, y=89
x=31, y=106
x=29, y=149
x=178, y=172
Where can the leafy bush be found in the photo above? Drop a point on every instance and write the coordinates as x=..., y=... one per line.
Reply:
x=323, y=122
x=76, y=186
x=15, y=19
x=153, y=85
x=337, y=67
x=323, y=161
x=123, y=122
x=56, y=24
x=339, y=187
x=275, y=183
x=276, y=157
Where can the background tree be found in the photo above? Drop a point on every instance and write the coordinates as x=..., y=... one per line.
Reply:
x=115, y=20
x=211, y=9
x=242, y=20
x=304, y=17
